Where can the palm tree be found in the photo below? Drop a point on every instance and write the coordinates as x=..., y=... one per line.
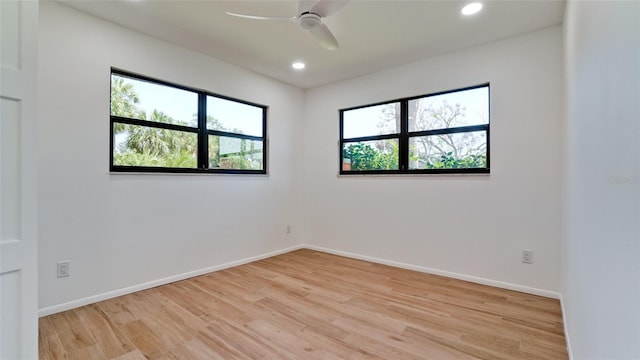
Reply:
x=124, y=100
x=151, y=140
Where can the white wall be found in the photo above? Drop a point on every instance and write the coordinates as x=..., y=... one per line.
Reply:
x=124, y=230
x=601, y=267
x=469, y=225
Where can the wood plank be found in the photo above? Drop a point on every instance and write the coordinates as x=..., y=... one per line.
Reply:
x=116, y=310
x=228, y=337
x=108, y=336
x=144, y=339
x=48, y=341
x=339, y=348
x=296, y=345
x=86, y=353
x=194, y=349
x=71, y=331
x=133, y=355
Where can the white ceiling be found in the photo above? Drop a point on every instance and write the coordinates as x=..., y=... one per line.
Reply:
x=373, y=35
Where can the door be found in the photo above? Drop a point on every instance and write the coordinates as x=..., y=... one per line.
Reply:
x=18, y=183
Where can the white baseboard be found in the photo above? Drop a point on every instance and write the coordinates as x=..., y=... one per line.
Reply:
x=566, y=329
x=128, y=290
x=131, y=289
x=474, y=279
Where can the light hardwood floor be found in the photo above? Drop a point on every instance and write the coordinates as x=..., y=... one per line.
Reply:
x=310, y=305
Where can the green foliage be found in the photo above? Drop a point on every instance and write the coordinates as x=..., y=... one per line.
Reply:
x=365, y=157
x=235, y=162
x=242, y=159
x=178, y=160
x=214, y=152
x=124, y=99
x=448, y=161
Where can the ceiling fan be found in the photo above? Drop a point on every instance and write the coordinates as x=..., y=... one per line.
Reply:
x=310, y=14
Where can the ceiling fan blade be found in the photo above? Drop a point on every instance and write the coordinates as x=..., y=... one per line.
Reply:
x=324, y=37
x=326, y=8
x=255, y=17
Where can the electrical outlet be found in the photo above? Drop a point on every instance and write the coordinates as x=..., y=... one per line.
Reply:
x=64, y=268
x=288, y=229
x=527, y=256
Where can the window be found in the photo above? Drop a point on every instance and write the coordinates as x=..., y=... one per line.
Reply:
x=161, y=127
x=447, y=132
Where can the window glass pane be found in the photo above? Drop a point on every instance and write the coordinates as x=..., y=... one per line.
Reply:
x=145, y=100
x=449, y=151
x=370, y=155
x=373, y=120
x=232, y=116
x=461, y=108
x=147, y=146
x=233, y=153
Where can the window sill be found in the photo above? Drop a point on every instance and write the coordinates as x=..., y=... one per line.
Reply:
x=356, y=175
x=120, y=173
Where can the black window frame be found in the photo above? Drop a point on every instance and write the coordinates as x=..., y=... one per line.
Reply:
x=201, y=131
x=405, y=135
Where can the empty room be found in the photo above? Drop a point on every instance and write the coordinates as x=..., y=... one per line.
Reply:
x=320, y=179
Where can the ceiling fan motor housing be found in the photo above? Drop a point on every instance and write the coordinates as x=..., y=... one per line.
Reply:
x=309, y=21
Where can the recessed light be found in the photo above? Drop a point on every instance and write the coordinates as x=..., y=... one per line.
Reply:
x=471, y=9
x=298, y=65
